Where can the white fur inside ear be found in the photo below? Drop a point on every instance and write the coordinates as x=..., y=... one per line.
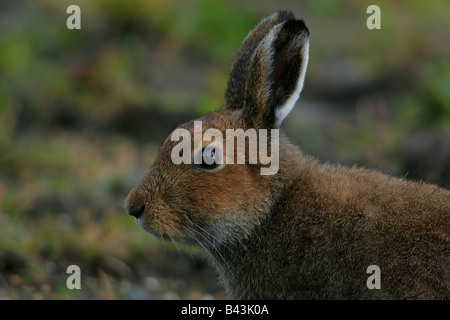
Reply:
x=282, y=111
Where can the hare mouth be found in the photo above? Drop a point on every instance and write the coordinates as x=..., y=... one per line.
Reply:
x=162, y=225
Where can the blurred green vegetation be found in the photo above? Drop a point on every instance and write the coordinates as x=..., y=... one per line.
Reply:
x=82, y=113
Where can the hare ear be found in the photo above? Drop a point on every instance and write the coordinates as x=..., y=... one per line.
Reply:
x=239, y=69
x=275, y=74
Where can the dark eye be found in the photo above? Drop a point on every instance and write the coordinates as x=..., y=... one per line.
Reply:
x=210, y=159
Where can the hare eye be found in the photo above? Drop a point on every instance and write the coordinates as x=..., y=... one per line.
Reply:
x=210, y=159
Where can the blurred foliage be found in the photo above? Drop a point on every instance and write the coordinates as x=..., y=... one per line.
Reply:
x=82, y=113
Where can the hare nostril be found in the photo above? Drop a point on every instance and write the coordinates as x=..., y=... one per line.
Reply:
x=135, y=210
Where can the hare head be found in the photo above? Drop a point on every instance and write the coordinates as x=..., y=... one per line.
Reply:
x=286, y=226
x=225, y=194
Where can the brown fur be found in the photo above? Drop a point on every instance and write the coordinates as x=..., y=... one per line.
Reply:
x=311, y=230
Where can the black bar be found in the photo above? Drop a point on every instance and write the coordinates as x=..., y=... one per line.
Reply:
x=223, y=309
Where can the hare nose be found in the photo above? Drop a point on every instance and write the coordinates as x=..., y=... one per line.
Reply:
x=135, y=210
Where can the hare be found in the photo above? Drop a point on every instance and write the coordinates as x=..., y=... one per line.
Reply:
x=310, y=230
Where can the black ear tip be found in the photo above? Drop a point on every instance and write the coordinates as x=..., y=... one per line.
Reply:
x=294, y=26
x=284, y=15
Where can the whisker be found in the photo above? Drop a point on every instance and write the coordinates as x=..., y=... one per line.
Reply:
x=207, y=251
x=215, y=249
x=211, y=235
x=174, y=242
x=162, y=239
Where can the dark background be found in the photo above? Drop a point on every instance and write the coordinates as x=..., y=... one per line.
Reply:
x=83, y=113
